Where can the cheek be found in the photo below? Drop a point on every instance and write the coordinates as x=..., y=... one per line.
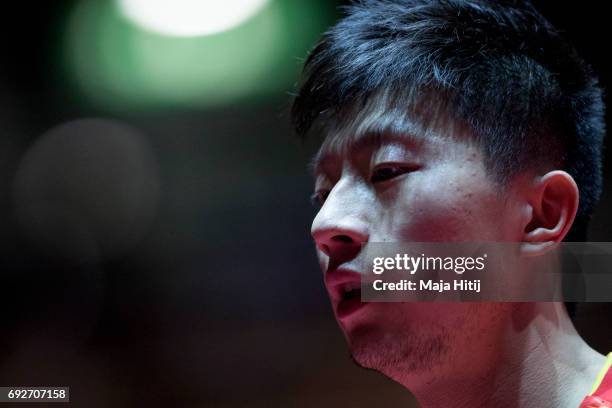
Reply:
x=437, y=207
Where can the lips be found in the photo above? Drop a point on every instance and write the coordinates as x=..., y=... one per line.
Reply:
x=344, y=287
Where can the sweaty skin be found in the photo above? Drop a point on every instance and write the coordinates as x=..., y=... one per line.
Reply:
x=399, y=188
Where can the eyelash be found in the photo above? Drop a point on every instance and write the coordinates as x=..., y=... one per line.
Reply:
x=319, y=197
x=397, y=170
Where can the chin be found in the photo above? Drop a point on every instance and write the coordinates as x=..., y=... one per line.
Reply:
x=397, y=354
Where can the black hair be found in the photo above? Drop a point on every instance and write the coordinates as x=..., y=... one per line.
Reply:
x=500, y=67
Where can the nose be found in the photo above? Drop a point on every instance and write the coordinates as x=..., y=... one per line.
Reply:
x=340, y=228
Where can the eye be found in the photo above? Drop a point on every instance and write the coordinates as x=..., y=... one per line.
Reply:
x=389, y=171
x=318, y=198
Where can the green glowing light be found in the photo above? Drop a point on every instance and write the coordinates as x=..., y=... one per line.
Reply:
x=118, y=66
x=189, y=18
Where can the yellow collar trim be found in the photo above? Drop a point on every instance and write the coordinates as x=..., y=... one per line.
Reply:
x=602, y=373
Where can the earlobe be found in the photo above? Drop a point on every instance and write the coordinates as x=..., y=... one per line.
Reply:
x=554, y=202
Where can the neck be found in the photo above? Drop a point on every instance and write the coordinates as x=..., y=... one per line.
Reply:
x=535, y=359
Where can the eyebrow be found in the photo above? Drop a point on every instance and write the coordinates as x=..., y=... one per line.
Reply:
x=366, y=140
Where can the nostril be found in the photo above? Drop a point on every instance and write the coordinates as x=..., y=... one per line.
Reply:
x=339, y=245
x=343, y=238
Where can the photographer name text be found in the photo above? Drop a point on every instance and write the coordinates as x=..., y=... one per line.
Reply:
x=430, y=285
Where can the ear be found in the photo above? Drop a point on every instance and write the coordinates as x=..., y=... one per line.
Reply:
x=553, y=200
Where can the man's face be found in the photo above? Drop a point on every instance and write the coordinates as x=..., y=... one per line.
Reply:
x=402, y=188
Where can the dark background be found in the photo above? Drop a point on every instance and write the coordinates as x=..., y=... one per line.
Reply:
x=204, y=289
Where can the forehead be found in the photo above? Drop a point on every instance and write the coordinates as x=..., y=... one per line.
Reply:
x=338, y=146
x=367, y=133
x=414, y=121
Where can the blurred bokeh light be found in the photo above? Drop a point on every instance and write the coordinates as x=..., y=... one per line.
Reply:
x=188, y=18
x=120, y=66
x=87, y=190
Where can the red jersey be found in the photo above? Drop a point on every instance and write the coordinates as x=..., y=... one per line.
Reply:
x=601, y=393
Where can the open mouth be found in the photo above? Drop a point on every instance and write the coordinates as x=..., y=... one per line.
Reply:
x=351, y=290
x=350, y=300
